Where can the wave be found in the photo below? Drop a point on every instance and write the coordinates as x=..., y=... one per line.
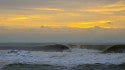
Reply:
x=62, y=47
x=115, y=49
x=36, y=47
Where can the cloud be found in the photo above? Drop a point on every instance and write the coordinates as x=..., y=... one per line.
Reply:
x=67, y=4
x=59, y=13
x=48, y=9
x=29, y=17
x=108, y=9
x=91, y=24
x=18, y=18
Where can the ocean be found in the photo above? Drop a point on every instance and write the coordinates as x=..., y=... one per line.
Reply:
x=34, y=56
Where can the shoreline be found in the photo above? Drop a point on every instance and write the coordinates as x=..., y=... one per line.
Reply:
x=20, y=66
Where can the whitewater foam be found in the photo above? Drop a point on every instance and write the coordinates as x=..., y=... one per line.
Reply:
x=67, y=58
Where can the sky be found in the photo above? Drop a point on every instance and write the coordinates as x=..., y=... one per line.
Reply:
x=87, y=21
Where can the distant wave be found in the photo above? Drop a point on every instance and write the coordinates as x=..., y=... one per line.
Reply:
x=62, y=47
x=37, y=47
x=115, y=49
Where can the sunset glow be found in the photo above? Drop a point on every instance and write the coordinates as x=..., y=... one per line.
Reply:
x=64, y=15
x=101, y=16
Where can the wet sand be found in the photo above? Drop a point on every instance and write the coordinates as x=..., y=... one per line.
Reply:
x=52, y=67
x=20, y=66
x=2, y=64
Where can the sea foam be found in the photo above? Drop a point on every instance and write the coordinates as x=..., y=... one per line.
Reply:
x=66, y=58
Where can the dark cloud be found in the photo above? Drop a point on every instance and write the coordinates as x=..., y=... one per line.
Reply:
x=15, y=4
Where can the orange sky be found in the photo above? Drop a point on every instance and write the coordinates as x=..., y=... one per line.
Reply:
x=64, y=15
x=104, y=16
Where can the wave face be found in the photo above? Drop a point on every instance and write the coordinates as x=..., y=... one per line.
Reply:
x=35, y=47
x=48, y=46
x=115, y=49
